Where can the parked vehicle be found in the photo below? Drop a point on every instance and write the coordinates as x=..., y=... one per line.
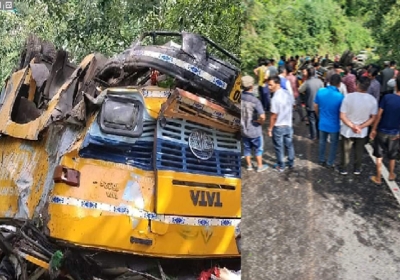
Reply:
x=362, y=56
x=136, y=155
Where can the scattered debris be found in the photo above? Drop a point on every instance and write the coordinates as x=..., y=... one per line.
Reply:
x=219, y=274
x=226, y=274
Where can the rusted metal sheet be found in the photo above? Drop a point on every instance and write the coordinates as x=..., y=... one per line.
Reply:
x=58, y=76
x=78, y=111
x=186, y=105
x=56, y=109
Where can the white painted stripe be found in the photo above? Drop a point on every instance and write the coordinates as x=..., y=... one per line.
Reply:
x=393, y=186
x=156, y=93
x=184, y=65
x=133, y=212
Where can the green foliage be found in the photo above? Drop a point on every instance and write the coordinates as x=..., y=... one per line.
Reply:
x=287, y=27
x=9, y=48
x=110, y=26
x=381, y=17
x=219, y=20
x=386, y=28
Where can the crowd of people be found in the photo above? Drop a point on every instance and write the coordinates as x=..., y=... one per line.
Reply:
x=343, y=106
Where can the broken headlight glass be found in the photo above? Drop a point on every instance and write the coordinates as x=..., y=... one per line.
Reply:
x=121, y=115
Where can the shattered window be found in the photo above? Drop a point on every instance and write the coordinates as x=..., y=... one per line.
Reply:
x=120, y=115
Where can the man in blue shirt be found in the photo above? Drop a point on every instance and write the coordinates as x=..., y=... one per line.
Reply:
x=282, y=61
x=253, y=116
x=386, y=131
x=327, y=104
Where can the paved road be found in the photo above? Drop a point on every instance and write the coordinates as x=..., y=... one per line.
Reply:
x=312, y=223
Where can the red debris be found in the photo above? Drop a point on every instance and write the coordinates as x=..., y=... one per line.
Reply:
x=153, y=77
x=206, y=274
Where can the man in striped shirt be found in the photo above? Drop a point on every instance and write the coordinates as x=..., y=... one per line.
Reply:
x=349, y=80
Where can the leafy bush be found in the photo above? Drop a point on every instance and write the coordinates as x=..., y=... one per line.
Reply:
x=109, y=26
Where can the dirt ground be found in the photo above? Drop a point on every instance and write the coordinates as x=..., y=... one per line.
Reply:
x=313, y=223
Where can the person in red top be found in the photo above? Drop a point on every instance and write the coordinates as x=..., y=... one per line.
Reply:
x=365, y=74
x=349, y=80
x=294, y=82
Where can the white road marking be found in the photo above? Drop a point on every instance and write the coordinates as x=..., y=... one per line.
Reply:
x=393, y=186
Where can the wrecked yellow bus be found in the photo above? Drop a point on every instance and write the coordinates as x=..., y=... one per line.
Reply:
x=138, y=154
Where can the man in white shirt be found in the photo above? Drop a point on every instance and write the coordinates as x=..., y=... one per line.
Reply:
x=343, y=88
x=358, y=112
x=281, y=123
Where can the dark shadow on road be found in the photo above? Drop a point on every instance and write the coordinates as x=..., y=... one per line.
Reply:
x=356, y=192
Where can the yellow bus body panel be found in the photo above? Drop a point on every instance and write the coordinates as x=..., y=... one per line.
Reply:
x=236, y=93
x=23, y=171
x=179, y=199
x=100, y=230
x=104, y=183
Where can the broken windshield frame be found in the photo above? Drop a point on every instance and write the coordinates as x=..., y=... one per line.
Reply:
x=154, y=34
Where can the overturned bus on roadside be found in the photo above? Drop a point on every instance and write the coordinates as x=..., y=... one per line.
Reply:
x=136, y=155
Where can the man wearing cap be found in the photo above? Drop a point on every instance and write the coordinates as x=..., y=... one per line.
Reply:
x=253, y=116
